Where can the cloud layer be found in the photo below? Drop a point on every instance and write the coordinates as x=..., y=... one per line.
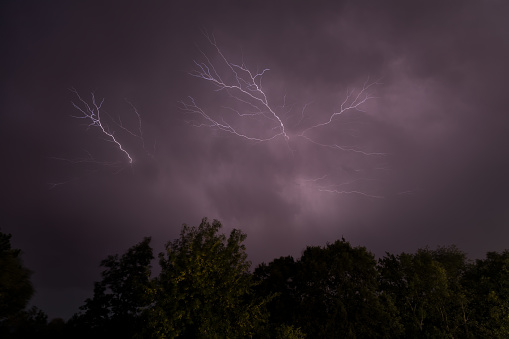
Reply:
x=440, y=115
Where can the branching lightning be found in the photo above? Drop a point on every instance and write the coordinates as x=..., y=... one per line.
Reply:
x=95, y=117
x=244, y=89
x=192, y=107
x=350, y=192
x=352, y=102
x=335, y=188
x=92, y=113
x=244, y=86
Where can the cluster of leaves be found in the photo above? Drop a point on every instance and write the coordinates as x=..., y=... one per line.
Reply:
x=330, y=292
x=205, y=290
x=340, y=291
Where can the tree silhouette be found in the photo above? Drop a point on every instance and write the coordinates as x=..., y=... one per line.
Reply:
x=205, y=289
x=15, y=286
x=121, y=298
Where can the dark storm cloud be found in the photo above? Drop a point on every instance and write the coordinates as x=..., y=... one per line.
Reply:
x=441, y=116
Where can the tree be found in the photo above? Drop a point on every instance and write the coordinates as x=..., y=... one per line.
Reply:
x=277, y=281
x=205, y=289
x=15, y=286
x=288, y=332
x=15, y=292
x=31, y=323
x=329, y=292
x=120, y=300
x=427, y=290
x=340, y=283
x=488, y=284
x=456, y=311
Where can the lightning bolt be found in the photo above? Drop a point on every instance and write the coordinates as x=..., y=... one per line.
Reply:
x=351, y=192
x=335, y=188
x=91, y=160
x=95, y=117
x=92, y=113
x=352, y=101
x=331, y=189
x=244, y=88
x=52, y=185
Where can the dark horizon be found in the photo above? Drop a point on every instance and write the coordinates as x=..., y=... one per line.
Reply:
x=439, y=115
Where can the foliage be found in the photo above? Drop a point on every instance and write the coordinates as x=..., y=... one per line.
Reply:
x=289, y=332
x=31, y=323
x=426, y=288
x=205, y=289
x=120, y=299
x=277, y=281
x=338, y=283
x=15, y=286
x=329, y=292
x=488, y=284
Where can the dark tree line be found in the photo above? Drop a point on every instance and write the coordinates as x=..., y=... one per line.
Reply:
x=205, y=289
x=15, y=292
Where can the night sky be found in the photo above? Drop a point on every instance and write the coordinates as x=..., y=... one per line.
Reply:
x=438, y=113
